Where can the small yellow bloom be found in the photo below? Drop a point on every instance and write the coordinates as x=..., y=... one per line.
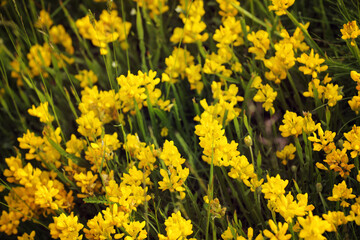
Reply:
x=292, y=125
x=66, y=227
x=280, y=6
x=176, y=227
x=287, y=153
x=351, y=31
x=312, y=64
x=313, y=227
x=353, y=141
x=341, y=193
x=278, y=232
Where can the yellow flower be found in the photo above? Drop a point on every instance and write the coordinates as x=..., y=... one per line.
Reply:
x=87, y=183
x=176, y=227
x=313, y=227
x=156, y=7
x=267, y=95
x=109, y=28
x=312, y=64
x=324, y=142
x=136, y=89
x=86, y=78
x=341, y=193
x=66, y=227
x=288, y=208
x=356, y=77
x=335, y=219
x=297, y=39
x=274, y=187
x=190, y=15
x=280, y=6
x=227, y=9
x=353, y=141
x=175, y=176
x=177, y=63
x=287, y=153
x=278, y=232
x=193, y=73
x=45, y=194
x=44, y=20
x=42, y=112
x=75, y=145
x=26, y=236
x=332, y=94
x=292, y=125
x=9, y=221
x=89, y=126
x=309, y=124
x=354, y=103
x=351, y=31
x=261, y=42
x=338, y=161
x=135, y=230
x=39, y=58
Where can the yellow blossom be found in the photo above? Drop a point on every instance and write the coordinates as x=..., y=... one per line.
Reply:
x=26, y=236
x=335, y=219
x=9, y=221
x=227, y=9
x=261, y=42
x=86, y=78
x=351, y=31
x=340, y=192
x=324, y=142
x=267, y=95
x=42, y=113
x=44, y=20
x=278, y=232
x=66, y=227
x=280, y=6
x=313, y=227
x=354, y=103
x=287, y=153
x=312, y=64
x=176, y=228
x=89, y=126
x=353, y=141
x=274, y=187
x=292, y=125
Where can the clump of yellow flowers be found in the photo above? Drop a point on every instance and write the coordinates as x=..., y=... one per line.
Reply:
x=161, y=154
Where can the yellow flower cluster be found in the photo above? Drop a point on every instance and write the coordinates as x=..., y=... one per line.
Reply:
x=177, y=228
x=283, y=60
x=227, y=9
x=287, y=153
x=137, y=90
x=109, y=28
x=261, y=42
x=66, y=227
x=264, y=94
x=336, y=159
x=145, y=154
x=280, y=6
x=175, y=175
x=156, y=7
x=354, y=103
x=180, y=64
x=191, y=14
x=86, y=78
x=351, y=31
x=219, y=152
x=224, y=105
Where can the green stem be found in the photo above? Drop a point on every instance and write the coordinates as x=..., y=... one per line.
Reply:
x=296, y=92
